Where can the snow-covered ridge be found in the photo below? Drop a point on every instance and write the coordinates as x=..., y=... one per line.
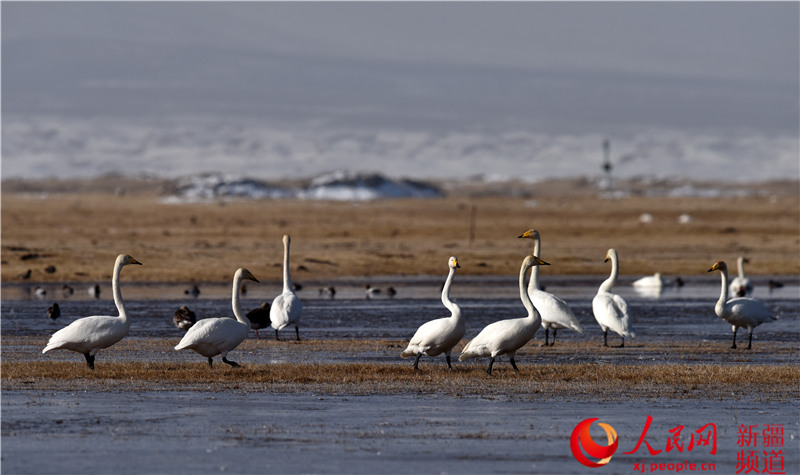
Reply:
x=336, y=186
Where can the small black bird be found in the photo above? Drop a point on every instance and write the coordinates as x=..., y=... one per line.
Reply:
x=259, y=318
x=53, y=311
x=184, y=318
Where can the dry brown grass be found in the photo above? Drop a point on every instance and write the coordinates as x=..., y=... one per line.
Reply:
x=547, y=380
x=81, y=233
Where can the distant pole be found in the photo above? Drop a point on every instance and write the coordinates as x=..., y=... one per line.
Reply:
x=607, y=164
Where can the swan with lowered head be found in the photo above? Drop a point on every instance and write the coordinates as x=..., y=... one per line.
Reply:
x=740, y=285
x=740, y=311
x=507, y=336
x=611, y=310
x=217, y=336
x=440, y=335
x=651, y=281
x=286, y=307
x=88, y=335
x=555, y=312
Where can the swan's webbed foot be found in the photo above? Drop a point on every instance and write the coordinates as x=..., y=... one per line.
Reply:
x=416, y=362
x=233, y=364
x=210, y=362
x=297, y=332
x=89, y=360
x=491, y=363
x=514, y=365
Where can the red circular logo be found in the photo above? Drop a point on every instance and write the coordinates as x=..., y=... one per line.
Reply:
x=581, y=441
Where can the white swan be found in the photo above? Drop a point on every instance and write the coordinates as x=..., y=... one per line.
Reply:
x=440, y=335
x=88, y=335
x=286, y=307
x=555, y=312
x=217, y=336
x=741, y=311
x=507, y=336
x=651, y=281
x=740, y=285
x=611, y=310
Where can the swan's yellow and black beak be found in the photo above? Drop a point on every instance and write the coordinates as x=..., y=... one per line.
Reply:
x=134, y=261
x=249, y=275
x=526, y=234
x=456, y=264
x=717, y=266
x=539, y=262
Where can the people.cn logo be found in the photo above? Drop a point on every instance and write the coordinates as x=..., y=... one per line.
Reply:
x=581, y=441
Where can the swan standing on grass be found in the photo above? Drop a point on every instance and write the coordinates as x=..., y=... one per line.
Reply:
x=555, y=312
x=286, y=307
x=740, y=285
x=217, y=336
x=741, y=311
x=507, y=336
x=88, y=335
x=611, y=310
x=440, y=335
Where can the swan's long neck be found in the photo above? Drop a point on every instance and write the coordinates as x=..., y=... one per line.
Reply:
x=740, y=265
x=608, y=284
x=723, y=295
x=118, y=293
x=455, y=310
x=526, y=300
x=533, y=284
x=237, y=307
x=287, y=279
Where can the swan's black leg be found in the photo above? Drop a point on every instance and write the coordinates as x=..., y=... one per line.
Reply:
x=735, y=329
x=210, y=362
x=416, y=361
x=491, y=362
x=554, y=337
x=546, y=336
x=232, y=363
x=89, y=360
x=750, y=341
x=276, y=336
x=514, y=365
x=622, y=345
x=605, y=337
x=447, y=357
x=257, y=337
x=297, y=331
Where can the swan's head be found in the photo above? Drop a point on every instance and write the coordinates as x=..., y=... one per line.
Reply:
x=286, y=239
x=246, y=274
x=531, y=261
x=453, y=263
x=125, y=259
x=743, y=260
x=611, y=255
x=719, y=265
x=530, y=234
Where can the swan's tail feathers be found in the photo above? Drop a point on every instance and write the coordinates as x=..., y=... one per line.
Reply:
x=576, y=327
x=407, y=353
x=49, y=347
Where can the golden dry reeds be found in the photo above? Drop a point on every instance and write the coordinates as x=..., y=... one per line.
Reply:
x=581, y=380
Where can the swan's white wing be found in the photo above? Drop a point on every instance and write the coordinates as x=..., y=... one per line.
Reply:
x=89, y=334
x=611, y=311
x=499, y=338
x=212, y=336
x=285, y=310
x=747, y=312
x=554, y=311
x=434, y=337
